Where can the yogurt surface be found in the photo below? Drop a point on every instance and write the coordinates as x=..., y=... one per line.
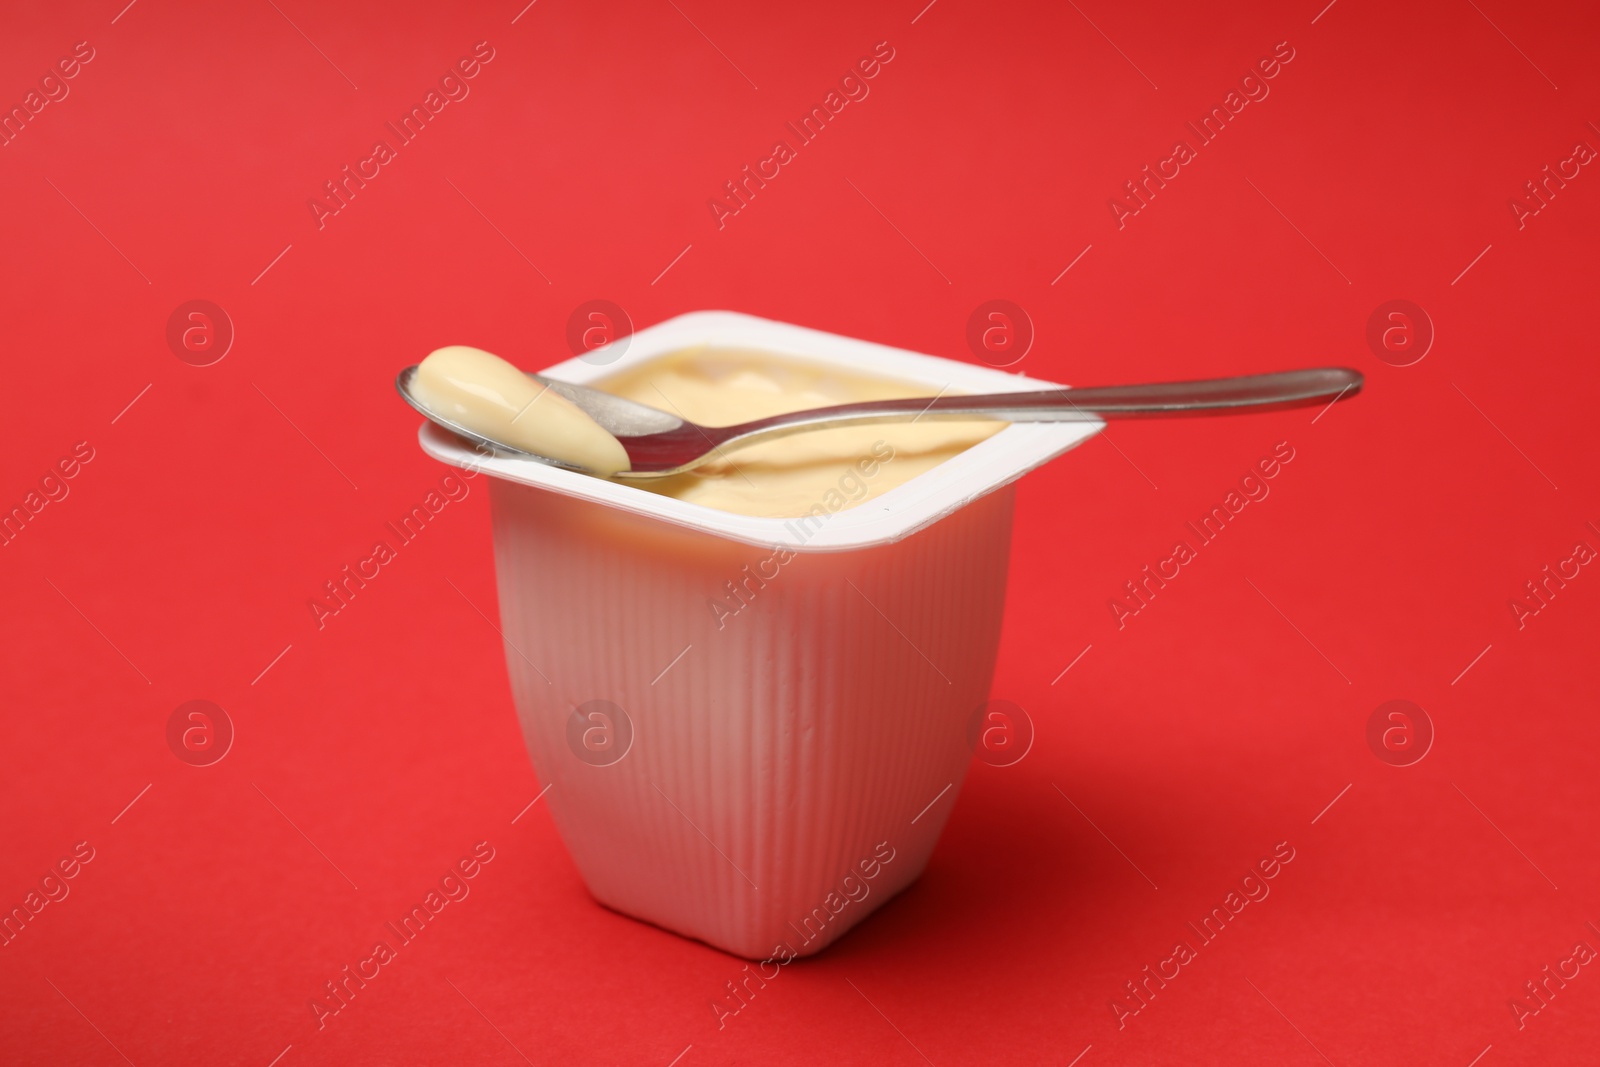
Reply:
x=833, y=469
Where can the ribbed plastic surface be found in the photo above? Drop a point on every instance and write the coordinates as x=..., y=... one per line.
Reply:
x=780, y=752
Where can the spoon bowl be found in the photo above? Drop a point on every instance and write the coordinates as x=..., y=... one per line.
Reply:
x=618, y=416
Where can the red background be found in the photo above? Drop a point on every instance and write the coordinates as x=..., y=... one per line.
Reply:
x=1219, y=721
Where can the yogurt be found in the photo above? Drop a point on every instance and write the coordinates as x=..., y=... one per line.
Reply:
x=832, y=470
x=736, y=723
x=483, y=393
x=837, y=468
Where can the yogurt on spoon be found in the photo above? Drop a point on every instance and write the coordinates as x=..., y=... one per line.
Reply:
x=489, y=396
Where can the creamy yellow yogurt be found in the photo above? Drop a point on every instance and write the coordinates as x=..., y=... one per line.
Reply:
x=833, y=469
x=483, y=393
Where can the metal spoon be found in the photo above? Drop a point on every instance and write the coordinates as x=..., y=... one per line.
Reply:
x=659, y=443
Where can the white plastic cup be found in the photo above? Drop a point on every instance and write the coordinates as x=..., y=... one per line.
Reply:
x=760, y=780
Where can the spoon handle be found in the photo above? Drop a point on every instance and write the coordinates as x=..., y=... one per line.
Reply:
x=1212, y=396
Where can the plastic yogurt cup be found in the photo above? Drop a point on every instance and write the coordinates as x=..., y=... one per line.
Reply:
x=753, y=728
